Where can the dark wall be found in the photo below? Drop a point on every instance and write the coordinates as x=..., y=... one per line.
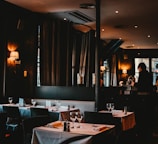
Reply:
x=65, y=93
x=17, y=25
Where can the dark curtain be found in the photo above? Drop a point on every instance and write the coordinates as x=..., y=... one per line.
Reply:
x=65, y=52
x=83, y=58
x=56, y=48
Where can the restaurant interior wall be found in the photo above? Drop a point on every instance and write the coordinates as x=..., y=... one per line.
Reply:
x=18, y=26
x=26, y=37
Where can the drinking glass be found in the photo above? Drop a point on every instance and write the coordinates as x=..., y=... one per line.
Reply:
x=112, y=106
x=79, y=118
x=10, y=100
x=33, y=102
x=108, y=106
x=58, y=104
x=73, y=118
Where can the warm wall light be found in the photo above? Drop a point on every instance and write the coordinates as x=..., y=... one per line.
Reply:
x=25, y=73
x=14, y=58
x=124, y=71
x=14, y=55
x=12, y=46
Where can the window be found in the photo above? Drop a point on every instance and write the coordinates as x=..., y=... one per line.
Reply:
x=38, y=57
x=153, y=65
x=137, y=61
x=154, y=68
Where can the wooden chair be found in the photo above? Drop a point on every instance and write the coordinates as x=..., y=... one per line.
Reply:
x=66, y=114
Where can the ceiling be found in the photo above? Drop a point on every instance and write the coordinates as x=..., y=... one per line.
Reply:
x=133, y=21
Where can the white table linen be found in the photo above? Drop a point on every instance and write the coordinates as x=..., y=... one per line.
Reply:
x=50, y=135
x=127, y=120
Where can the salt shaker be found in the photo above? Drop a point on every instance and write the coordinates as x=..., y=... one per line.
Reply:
x=125, y=109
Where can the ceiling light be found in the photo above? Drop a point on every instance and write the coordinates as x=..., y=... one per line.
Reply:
x=87, y=6
x=116, y=11
x=149, y=36
x=102, y=30
x=136, y=26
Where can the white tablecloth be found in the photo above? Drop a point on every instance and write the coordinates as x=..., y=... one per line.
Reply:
x=55, y=113
x=50, y=135
x=127, y=120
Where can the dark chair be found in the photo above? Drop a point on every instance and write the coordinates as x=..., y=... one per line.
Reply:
x=39, y=112
x=98, y=117
x=13, y=124
x=82, y=139
x=29, y=123
x=104, y=118
x=13, y=117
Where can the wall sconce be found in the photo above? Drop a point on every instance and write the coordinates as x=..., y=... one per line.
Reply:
x=13, y=58
x=25, y=73
x=124, y=71
x=12, y=46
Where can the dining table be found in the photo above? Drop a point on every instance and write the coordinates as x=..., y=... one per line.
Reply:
x=127, y=118
x=55, y=113
x=53, y=133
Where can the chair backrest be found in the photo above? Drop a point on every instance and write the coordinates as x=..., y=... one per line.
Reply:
x=39, y=112
x=82, y=139
x=29, y=123
x=98, y=117
x=12, y=111
x=65, y=115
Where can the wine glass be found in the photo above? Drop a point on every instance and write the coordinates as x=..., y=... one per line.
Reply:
x=58, y=104
x=73, y=118
x=112, y=106
x=33, y=102
x=10, y=100
x=79, y=118
x=108, y=106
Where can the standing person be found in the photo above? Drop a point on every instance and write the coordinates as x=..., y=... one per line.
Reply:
x=145, y=79
x=144, y=106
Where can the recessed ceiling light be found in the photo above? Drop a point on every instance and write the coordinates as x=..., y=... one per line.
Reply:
x=65, y=19
x=116, y=11
x=149, y=36
x=102, y=29
x=136, y=26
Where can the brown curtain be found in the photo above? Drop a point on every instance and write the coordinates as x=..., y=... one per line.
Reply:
x=64, y=53
x=113, y=77
x=55, y=56
x=83, y=58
